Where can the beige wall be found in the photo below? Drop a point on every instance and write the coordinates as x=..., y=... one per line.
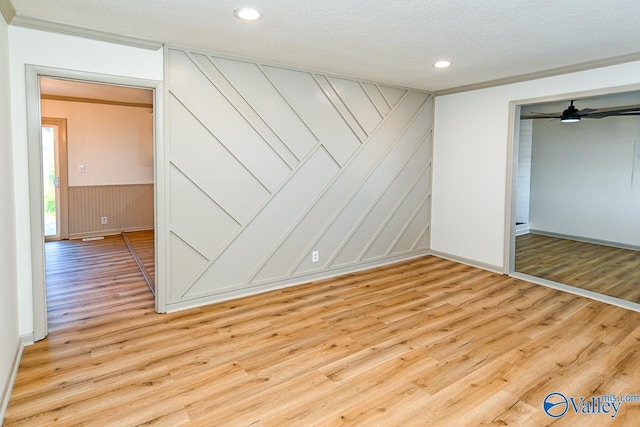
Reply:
x=126, y=207
x=114, y=143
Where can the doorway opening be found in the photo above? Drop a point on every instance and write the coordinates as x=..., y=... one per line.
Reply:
x=93, y=146
x=100, y=182
x=54, y=174
x=573, y=218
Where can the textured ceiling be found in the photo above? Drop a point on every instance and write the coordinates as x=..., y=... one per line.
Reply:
x=390, y=41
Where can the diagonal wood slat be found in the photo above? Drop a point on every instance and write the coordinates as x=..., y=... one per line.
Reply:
x=242, y=132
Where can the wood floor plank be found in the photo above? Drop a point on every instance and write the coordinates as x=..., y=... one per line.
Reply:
x=598, y=268
x=420, y=342
x=141, y=244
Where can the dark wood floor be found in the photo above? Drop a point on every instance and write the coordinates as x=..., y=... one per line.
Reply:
x=423, y=342
x=598, y=268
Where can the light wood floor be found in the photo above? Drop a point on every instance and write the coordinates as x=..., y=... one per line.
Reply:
x=424, y=342
x=603, y=269
x=141, y=245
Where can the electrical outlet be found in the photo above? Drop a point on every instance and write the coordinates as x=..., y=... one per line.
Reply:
x=103, y=220
x=81, y=168
x=315, y=256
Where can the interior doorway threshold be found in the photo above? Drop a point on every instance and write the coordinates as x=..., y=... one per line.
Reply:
x=141, y=266
x=618, y=302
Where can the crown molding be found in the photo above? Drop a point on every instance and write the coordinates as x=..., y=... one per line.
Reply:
x=599, y=63
x=57, y=27
x=7, y=10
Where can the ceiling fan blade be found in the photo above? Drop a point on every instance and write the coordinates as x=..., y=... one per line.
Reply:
x=601, y=115
x=615, y=109
x=591, y=113
x=585, y=111
x=540, y=116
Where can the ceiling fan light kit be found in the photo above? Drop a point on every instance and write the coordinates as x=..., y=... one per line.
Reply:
x=570, y=115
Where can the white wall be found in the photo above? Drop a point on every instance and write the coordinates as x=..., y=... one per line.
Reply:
x=9, y=339
x=66, y=52
x=524, y=172
x=470, y=159
x=114, y=143
x=581, y=180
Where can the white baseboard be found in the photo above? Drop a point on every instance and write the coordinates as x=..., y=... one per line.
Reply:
x=102, y=233
x=473, y=263
x=8, y=384
x=586, y=240
x=291, y=281
x=522, y=229
x=27, y=339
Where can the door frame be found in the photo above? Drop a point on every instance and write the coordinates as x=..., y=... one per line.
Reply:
x=511, y=193
x=63, y=172
x=36, y=197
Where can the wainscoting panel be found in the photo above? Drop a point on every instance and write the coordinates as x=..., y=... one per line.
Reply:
x=308, y=99
x=234, y=266
x=127, y=207
x=202, y=210
x=408, y=240
x=210, y=166
x=254, y=85
x=376, y=97
x=192, y=87
x=400, y=219
x=356, y=100
x=379, y=213
x=267, y=165
x=377, y=165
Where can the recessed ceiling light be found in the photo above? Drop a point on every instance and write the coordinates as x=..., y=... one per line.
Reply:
x=442, y=64
x=248, y=14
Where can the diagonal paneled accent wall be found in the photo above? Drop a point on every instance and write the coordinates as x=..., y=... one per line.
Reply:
x=268, y=164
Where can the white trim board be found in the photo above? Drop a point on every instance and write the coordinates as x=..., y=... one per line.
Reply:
x=467, y=261
x=586, y=239
x=589, y=65
x=512, y=157
x=103, y=233
x=32, y=81
x=57, y=27
x=295, y=281
x=8, y=385
x=522, y=229
x=260, y=62
x=7, y=10
x=578, y=291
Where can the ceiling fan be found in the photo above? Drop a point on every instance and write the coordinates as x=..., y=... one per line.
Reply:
x=572, y=114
